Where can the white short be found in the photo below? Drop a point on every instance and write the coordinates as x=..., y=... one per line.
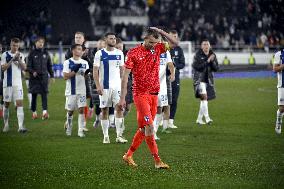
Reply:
x=280, y=96
x=163, y=99
x=73, y=102
x=109, y=98
x=202, y=88
x=12, y=93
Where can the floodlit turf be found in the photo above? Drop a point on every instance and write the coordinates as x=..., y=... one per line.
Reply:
x=240, y=149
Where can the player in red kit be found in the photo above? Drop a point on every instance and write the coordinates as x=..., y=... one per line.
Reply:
x=143, y=61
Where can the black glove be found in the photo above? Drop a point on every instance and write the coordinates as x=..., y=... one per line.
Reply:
x=87, y=71
x=76, y=67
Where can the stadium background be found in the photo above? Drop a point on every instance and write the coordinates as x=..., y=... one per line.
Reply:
x=239, y=151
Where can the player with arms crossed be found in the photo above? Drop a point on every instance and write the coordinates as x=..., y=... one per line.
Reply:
x=278, y=67
x=12, y=64
x=107, y=72
x=143, y=61
x=74, y=71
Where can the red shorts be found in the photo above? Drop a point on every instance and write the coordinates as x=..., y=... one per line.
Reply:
x=146, y=106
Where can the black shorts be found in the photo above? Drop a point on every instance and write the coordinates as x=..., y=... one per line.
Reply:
x=169, y=91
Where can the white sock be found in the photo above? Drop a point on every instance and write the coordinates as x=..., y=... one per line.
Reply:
x=111, y=119
x=157, y=121
x=69, y=120
x=205, y=110
x=6, y=115
x=123, y=127
x=105, y=125
x=118, y=126
x=279, y=118
x=81, y=119
x=44, y=111
x=165, y=124
x=20, y=115
x=171, y=121
x=201, y=111
x=97, y=117
x=30, y=99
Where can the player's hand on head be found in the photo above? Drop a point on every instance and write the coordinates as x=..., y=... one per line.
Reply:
x=156, y=29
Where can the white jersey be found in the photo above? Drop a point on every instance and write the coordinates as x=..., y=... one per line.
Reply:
x=165, y=58
x=75, y=85
x=13, y=75
x=279, y=59
x=109, y=63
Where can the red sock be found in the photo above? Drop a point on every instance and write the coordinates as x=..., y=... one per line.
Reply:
x=152, y=145
x=137, y=140
x=86, y=111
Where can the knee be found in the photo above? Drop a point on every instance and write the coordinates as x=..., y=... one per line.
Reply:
x=281, y=109
x=81, y=110
x=19, y=103
x=70, y=113
x=203, y=97
x=6, y=104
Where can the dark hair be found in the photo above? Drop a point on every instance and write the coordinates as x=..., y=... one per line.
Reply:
x=203, y=40
x=118, y=40
x=173, y=31
x=74, y=46
x=39, y=38
x=102, y=39
x=150, y=32
x=15, y=40
x=81, y=33
x=109, y=33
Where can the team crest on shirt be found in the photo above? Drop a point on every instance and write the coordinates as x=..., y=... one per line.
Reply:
x=44, y=56
x=152, y=51
x=176, y=53
x=118, y=57
x=147, y=119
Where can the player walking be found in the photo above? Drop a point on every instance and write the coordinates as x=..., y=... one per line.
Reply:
x=143, y=61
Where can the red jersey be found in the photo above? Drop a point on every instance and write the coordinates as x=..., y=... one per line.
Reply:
x=144, y=64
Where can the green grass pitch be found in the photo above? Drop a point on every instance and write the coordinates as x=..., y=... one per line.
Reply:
x=240, y=149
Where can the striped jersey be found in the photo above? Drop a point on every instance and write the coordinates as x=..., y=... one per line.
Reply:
x=76, y=84
x=165, y=58
x=109, y=63
x=13, y=75
x=279, y=59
